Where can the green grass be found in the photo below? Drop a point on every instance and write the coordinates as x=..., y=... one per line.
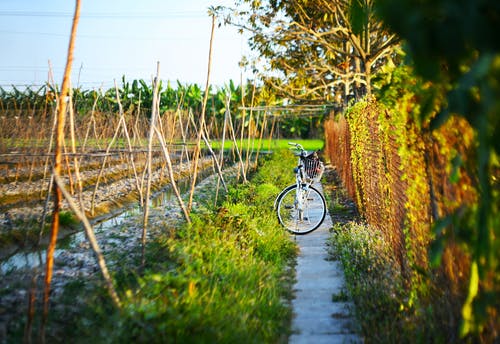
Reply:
x=271, y=145
x=372, y=279
x=265, y=144
x=385, y=308
x=223, y=279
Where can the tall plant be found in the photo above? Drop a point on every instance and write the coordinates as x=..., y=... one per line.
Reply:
x=456, y=48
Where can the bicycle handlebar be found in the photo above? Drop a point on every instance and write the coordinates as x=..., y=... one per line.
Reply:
x=297, y=145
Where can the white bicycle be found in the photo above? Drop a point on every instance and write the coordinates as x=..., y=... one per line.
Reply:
x=300, y=207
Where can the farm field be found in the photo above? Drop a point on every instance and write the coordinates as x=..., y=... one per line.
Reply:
x=25, y=184
x=121, y=244
x=141, y=211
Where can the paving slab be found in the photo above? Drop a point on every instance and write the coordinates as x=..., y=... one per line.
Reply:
x=317, y=318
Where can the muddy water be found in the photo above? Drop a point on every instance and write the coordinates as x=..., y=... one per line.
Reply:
x=30, y=259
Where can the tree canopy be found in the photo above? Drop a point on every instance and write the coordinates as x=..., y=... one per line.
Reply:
x=315, y=50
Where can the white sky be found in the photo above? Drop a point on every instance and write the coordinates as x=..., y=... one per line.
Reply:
x=115, y=38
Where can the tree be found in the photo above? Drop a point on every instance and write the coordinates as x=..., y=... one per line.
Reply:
x=315, y=50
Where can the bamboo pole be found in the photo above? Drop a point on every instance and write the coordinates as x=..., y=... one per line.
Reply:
x=137, y=137
x=243, y=113
x=218, y=165
x=221, y=153
x=66, y=160
x=62, y=106
x=212, y=153
x=273, y=126
x=264, y=124
x=54, y=124
x=184, y=145
x=32, y=293
x=154, y=114
x=129, y=144
x=108, y=149
x=172, y=176
x=92, y=240
x=101, y=171
x=91, y=123
x=233, y=135
x=247, y=157
x=184, y=131
x=202, y=118
x=76, y=166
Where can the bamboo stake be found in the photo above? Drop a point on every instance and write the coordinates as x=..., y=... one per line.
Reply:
x=218, y=165
x=183, y=135
x=137, y=137
x=108, y=148
x=172, y=176
x=31, y=308
x=233, y=135
x=202, y=119
x=66, y=160
x=32, y=293
x=125, y=130
x=62, y=105
x=214, y=156
x=184, y=150
x=54, y=124
x=101, y=171
x=221, y=153
x=92, y=239
x=273, y=126
x=247, y=157
x=75, y=158
x=243, y=114
x=264, y=124
x=91, y=123
x=154, y=114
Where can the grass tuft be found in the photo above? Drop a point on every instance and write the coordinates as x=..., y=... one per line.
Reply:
x=223, y=279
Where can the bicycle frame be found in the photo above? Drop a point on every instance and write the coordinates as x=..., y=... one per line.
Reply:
x=300, y=207
x=303, y=183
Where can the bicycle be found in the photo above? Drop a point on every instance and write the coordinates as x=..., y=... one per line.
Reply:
x=300, y=207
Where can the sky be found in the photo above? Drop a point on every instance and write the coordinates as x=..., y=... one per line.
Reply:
x=116, y=38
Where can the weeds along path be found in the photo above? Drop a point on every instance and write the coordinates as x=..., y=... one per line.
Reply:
x=223, y=279
x=120, y=242
x=322, y=312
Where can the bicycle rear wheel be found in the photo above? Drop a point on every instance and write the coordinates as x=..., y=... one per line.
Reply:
x=305, y=220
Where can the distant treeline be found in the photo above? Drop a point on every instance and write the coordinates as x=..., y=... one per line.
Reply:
x=136, y=97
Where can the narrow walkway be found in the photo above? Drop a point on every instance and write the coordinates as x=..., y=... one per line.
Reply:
x=317, y=317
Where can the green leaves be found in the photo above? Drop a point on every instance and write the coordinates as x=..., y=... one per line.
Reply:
x=455, y=45
x=312, y=50
x=358, y=12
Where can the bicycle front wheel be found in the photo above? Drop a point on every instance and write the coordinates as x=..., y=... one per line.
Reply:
x=301, y=216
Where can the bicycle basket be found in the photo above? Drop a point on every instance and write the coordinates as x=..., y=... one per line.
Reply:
x=313, y=167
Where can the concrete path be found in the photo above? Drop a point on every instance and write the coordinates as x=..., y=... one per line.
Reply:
x=317, y=318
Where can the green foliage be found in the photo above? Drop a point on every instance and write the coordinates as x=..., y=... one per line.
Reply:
x=136, y=98
x=378, y=289
x=272, y=144
x=279, y=169
x=316, y=50
x=398, y=163
x=221, y=279
x=456, y=47
x=67, y=218
x=373, y=281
